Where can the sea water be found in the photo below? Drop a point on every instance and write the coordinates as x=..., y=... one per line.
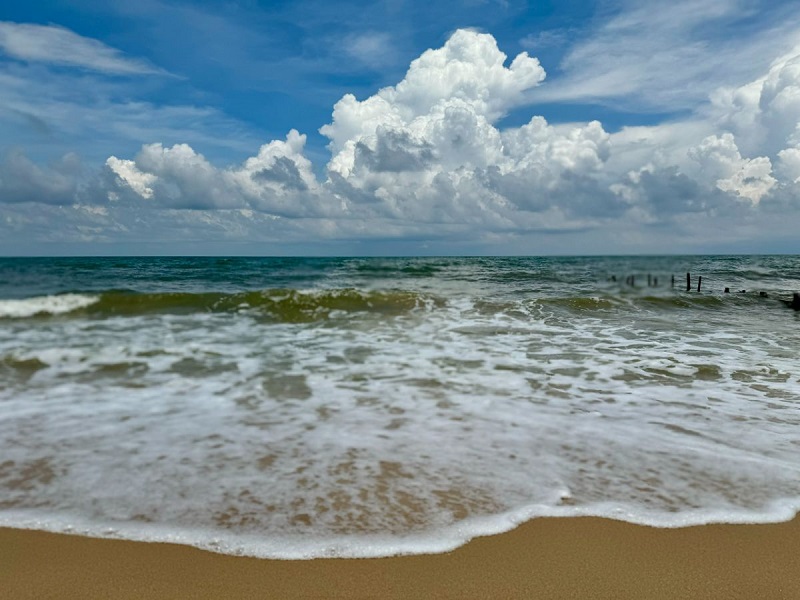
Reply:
x=297, y=408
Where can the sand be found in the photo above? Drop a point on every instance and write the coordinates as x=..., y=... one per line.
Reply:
x=545, y=558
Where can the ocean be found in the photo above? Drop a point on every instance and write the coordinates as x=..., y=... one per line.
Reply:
x=310, y=407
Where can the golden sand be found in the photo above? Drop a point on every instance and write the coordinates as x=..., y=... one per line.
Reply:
x=545, y=558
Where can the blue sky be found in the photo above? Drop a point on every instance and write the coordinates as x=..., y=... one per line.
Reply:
x=161, y=126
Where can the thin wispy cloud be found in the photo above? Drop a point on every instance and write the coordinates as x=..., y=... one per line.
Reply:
x=670, y=56
x=373, y=48
x=547, y=38
x=56, y=45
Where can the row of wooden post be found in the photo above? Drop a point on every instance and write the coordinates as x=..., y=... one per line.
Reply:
x=653, y=282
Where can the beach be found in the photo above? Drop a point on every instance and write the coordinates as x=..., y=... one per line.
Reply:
x=543, y=558
x=300, y=410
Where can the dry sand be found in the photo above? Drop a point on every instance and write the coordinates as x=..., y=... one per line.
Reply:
x=545, y=558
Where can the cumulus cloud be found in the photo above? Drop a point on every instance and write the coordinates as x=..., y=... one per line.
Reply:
x=21, y=180
x=278, y=180
x=468, y=70
x=760, y=120
x=789, y=164
x=419, y=151
x=60, y=46
x=763, y=114
x=719, y=157
x=429, y=149
x=426, y=158
x=130, y=175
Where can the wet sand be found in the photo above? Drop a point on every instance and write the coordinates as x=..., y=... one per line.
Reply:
x=545, y=558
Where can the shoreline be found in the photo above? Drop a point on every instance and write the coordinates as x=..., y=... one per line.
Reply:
x=574, y=557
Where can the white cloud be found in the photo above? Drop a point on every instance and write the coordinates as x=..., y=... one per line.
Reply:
x=427, y=159
x=719, y=157
x=763, y=114
x=278, y=180
x=60, y=46
x=130, y=175
x=468, y=70
x=789, y=164
x=419, y=149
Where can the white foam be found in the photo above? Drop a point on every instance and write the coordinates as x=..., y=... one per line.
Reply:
x=435, y=541
x=52, y=305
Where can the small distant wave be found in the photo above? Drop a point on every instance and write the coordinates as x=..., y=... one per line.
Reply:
x=45, y=305
x=403, y=271
x=284, y=305
x=682, y=301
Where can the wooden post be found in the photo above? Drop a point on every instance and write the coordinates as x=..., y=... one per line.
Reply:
x=673, y=281
x=728, y=290
x=796, y=301
x=688, y=282
x=699, y=282
x=655, y=281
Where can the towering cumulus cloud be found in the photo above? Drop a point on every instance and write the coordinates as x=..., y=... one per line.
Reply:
x=429, y=149
x=426, y=157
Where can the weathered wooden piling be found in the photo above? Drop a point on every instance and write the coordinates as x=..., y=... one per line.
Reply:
x=655, y=281
x=727, y=290
x=688, y=282
x=699, y=282
x=673, y=281
x=796, y=301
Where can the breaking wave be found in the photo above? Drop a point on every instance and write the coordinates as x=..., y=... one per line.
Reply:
x=283, y=305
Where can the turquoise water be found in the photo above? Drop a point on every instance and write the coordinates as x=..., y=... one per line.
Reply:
x=301, y=407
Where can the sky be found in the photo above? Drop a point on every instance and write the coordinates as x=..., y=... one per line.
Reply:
x=399, y=127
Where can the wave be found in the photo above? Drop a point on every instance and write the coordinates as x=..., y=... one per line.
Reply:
x=45, y=305
x=296, y=306
x=284, y=305
x=614, y=305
